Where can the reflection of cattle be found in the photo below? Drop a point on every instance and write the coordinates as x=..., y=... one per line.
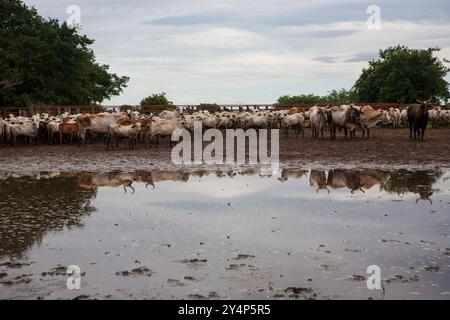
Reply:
x=420, y=182
x=199, y=173
x=370, y=178
x=228, y=173
x=318, y=180
x=150, y=178
x=256, y=172
x=337, y=179
x=354, y=179
x=293, y=174
x=113, y=179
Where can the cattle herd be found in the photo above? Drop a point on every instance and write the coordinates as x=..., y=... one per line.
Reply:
x=133, y=127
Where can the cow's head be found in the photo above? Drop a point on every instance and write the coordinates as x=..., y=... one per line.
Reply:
x=425, y=104
x=136, y=126
x=354, y=114
x=323, y=113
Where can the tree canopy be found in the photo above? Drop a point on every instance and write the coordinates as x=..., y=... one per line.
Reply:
x=403, y=75
x=156, y=99
x=43, y=61
x=334, y=96
x=400, y=75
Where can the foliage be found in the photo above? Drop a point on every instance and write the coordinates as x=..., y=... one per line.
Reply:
x=45, y=62
x=403, y=75
x=333, y=97
x=400, y=75
x=157, y=99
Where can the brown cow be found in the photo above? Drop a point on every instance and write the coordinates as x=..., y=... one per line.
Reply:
x=67, y=128
x=418, y=119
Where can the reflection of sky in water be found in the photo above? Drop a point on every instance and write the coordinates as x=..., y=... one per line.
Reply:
x=294, y=232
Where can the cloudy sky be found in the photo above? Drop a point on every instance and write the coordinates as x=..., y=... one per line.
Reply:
x=238, y=51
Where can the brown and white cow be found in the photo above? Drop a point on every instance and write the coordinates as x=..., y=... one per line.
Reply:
x=97, y=124
x=346, y=117
x=370, y=118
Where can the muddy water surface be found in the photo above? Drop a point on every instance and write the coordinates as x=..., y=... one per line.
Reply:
x=225, y=234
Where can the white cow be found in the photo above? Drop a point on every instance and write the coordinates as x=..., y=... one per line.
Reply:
x=318, y=118
x=211, y=121
x=404, y=117
x=160, y=128
x=170, y=115
x=435, y=116
x=28, y=129
x=395, y=115
x=53, y=128
x=118, y=132
x=294, y=121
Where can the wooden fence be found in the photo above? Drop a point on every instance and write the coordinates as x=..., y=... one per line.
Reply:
x=57, y=110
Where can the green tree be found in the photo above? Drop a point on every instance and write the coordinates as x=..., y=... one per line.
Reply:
x=341, y=96
x=403, y=75
x=157, y=99
x=304, y=98
x=333, y=97
x=43, y=61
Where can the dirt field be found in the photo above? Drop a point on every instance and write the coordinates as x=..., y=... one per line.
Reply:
x=387, y=148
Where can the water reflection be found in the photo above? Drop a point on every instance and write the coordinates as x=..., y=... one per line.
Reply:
x=394, y=182
x=319, y=229
x=32, y=204
x=419, y=182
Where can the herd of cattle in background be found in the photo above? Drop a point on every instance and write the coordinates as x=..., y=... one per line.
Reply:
x=132, y=126
x=396, y=182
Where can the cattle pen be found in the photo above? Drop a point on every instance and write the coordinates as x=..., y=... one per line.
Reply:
x=188, y=108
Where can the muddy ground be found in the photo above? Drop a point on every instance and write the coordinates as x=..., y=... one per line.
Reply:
x=387, y=148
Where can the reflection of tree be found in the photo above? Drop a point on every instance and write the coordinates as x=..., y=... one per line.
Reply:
x=420, y=182
x=31, y=207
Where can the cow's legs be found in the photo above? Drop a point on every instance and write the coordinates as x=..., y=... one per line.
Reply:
x=81, y=137
x=410, y=130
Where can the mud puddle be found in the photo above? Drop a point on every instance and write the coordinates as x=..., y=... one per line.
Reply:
x=296, y=234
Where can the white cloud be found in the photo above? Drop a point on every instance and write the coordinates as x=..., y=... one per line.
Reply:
x=246, y=51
